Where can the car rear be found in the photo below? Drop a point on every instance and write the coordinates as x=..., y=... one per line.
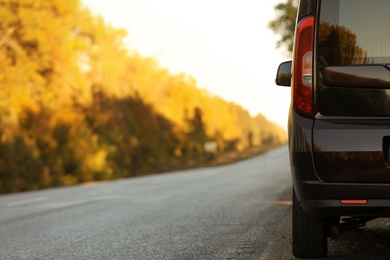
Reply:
x=339, y=122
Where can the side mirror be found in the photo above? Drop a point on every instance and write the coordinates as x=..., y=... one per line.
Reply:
x=283, y=76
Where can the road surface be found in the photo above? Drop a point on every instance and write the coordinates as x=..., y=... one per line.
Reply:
x=237, y=211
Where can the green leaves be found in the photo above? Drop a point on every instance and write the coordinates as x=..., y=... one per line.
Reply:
x=284, y=24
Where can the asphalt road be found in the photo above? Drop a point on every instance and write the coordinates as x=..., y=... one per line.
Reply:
x=226, y=212
x=238, y=211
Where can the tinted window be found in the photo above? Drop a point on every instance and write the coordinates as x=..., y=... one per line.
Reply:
x=354, y=32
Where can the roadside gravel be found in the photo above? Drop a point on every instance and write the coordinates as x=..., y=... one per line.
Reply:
x=369, y=242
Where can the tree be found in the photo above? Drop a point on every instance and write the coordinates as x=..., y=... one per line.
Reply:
x=77, y=105
x=197, y=135
x=284, y=24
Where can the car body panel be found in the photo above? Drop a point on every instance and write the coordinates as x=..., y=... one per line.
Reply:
x=351, y=151
x=352, y=93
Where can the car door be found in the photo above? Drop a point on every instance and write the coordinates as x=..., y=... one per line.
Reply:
x=351, y=132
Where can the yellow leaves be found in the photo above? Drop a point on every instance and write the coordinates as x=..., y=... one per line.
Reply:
x=177, y=96
x=134, y=142
x=4, y=38
x=68, y=180
x=8, y=17
x=46, y=177
x=76, y=105
x=22, y=100
x=97, y=161
x=178, y=152
x=64, y=7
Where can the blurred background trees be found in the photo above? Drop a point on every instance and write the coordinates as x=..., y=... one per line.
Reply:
x=284, y=24
x=76, y=105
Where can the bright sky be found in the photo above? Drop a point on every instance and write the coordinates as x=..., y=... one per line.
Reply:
x=224, y=44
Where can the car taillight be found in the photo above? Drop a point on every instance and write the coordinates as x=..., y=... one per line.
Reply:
x=354, y=202
x=303, y=67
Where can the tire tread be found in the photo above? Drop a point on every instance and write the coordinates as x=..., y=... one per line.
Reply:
x=309, y=233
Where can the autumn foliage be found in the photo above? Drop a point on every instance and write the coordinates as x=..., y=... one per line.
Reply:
x=76, y=105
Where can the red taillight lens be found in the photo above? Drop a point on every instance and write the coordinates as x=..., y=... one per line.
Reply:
x=353, y=202
x=303, y=67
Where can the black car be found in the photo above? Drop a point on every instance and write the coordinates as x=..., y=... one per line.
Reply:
x=339, y=120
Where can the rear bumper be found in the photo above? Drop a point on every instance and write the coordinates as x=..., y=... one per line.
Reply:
x=322, y=198
x=333, y=208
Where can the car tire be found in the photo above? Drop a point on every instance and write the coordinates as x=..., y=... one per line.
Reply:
x=309, y=234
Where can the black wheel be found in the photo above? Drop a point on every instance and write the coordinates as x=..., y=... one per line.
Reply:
x=309, y=234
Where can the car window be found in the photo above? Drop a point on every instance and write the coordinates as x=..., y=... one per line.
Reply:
x=354, y=32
